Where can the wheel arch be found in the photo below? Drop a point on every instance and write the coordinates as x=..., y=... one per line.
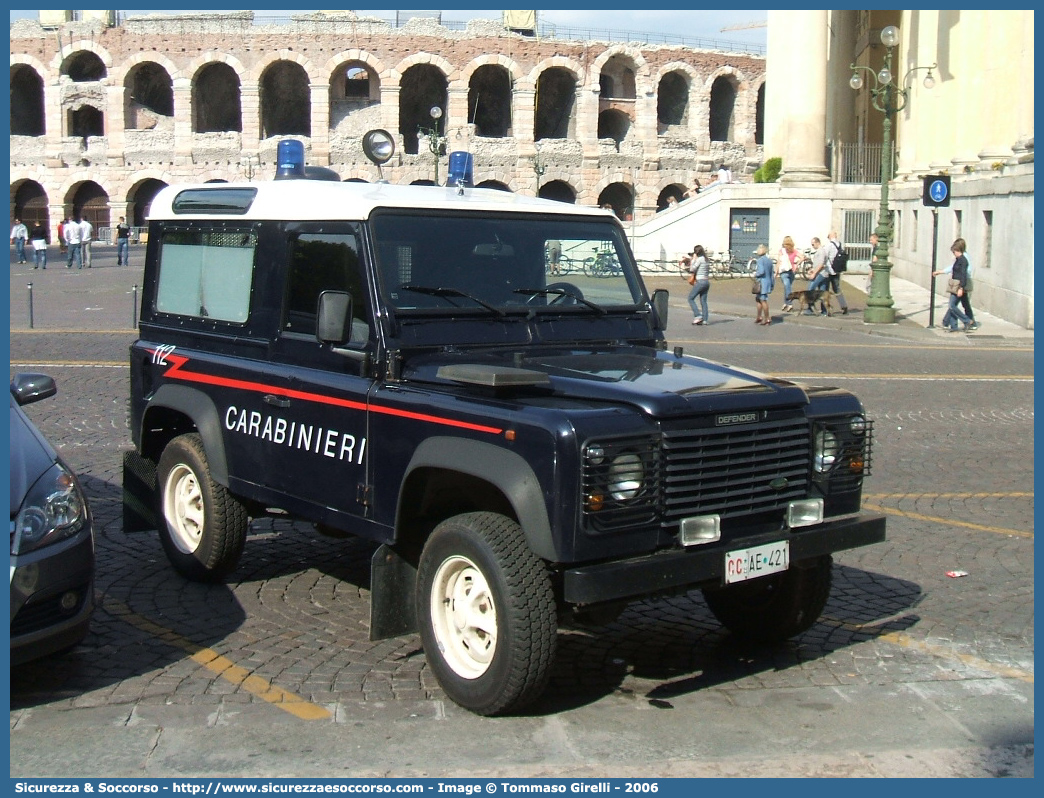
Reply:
x=176, y=410
x=496, y=479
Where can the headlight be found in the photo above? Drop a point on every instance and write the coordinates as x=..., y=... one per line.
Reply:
x=626, y=477
x=825, y=451
x=53, y=510
x=857, y=425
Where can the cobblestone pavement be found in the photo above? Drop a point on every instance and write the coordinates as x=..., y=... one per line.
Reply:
x=910, y=672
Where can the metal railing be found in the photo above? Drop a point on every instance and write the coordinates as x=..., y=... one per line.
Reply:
x=856, y=163
x=544, y=30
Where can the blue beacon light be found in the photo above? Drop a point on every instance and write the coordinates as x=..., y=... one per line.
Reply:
x=290, y=160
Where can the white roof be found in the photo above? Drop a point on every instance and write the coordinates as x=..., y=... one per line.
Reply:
x=302, y=200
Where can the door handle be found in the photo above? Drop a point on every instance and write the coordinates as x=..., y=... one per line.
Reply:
x=278, y=401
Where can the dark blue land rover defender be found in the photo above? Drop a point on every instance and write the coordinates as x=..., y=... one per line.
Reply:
x=401, y=363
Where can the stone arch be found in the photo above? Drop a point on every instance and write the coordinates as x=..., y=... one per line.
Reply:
x=87, y=199
x=423, y=86
x=674, y=97
x=556, y=85
x=217, y=90
x=28, y=101
x=559, y=190
x=666, y=192
x=354, y=102
x=119, y=72
x=316, y=75
x=723, y=99
x=621, y=195
x=490, y=98
x=496, y=185
x=148, y=96
x=29, y=202
x=621, y=52
x=83, y=45
x=140, y=194
x=285, y=99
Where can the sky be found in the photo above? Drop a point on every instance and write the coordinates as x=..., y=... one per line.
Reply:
x=690, y=24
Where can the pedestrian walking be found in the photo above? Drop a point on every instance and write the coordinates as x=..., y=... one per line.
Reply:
x=966, y=294
x=71, y=231
x=19, y=235
x=764, y=283
x=957, y=287
x=787, y=261
x=835, y=270
x=699, y=270
x=123, y=247
x=820, y=277
x=62, y=246
x=86, y=234
x=40, y=238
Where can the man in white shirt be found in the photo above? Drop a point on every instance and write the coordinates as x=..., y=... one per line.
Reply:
x=72, y=233
x=86, y=234
x=724, y=174
x=19, y=233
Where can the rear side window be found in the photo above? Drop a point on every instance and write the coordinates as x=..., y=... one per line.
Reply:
x=206, y=273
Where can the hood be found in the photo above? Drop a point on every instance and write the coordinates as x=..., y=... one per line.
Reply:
x=31, y=456
x=658, y=383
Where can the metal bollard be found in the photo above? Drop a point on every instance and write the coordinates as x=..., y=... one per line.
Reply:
x=134, y=307
x=30, y=287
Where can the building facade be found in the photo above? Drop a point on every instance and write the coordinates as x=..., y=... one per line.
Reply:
x=975, y=124
x=104, y=114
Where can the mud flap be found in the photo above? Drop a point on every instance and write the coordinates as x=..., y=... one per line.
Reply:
x=393, y=583
x=139, y=493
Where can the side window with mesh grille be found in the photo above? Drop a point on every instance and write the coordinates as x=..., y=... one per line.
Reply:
x=206, y=273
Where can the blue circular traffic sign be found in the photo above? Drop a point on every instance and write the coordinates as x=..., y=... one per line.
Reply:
x=938, y=190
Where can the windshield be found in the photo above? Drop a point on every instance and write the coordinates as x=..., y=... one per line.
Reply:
x=497, y=264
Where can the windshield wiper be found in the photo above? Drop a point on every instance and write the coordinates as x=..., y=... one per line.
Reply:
x=560, y=293
x=448, y=292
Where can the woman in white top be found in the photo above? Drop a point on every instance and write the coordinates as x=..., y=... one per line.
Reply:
x=699, y=268
x=787, y=260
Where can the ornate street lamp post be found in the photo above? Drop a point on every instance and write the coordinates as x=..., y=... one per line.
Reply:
x=435, y=141
x=538, y=168
x=888, y=97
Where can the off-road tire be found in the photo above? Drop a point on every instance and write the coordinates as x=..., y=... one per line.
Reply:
x=776, y=607
x=486, y=612
x=202, y=526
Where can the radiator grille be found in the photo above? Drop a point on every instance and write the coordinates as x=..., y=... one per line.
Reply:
x=735, y=470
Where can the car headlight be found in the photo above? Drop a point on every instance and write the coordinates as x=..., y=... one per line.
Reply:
x=825, y=451
x=626, y=477
x=53, y=510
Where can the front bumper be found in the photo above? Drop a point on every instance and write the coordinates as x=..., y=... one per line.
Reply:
x=40, y=623
x=703, y=566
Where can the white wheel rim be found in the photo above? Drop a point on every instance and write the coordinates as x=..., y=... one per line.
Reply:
x=183, y=509
x=464, y=617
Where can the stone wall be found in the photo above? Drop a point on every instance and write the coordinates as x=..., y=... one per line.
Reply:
x=316, y=47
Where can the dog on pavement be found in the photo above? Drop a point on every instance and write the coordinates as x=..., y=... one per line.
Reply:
x=806, y=300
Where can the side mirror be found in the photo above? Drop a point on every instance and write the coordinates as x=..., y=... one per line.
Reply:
x=660, y=299
x=333, y=317
x=28, y=388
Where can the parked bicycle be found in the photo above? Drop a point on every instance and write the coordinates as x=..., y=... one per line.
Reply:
x=602, y=264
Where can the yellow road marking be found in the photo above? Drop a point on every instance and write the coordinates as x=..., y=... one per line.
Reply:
x=906, y=641
x=221, y=666
x=70, y=363
x=958, y=495
x=947, y=521
x=41, y=331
